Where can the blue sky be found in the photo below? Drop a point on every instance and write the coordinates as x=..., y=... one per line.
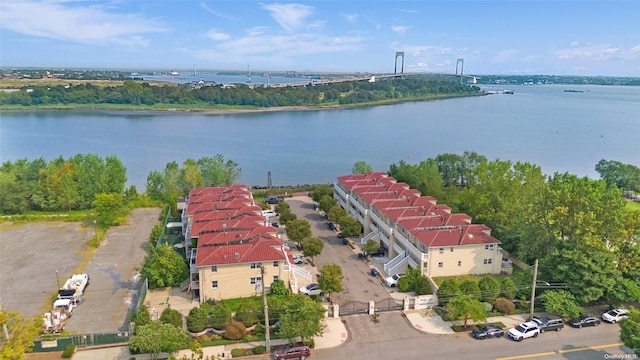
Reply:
x=493, y=37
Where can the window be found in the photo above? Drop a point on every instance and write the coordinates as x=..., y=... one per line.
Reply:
x=487, y=261
x=256, y=265
x=214, y=268
x=451, y=249
x=488, y=247
x=255, y=280
x=214, y=284
x=459, y=263
x=440, y=264
x=275, y=264
x=441, y=250
x=276, y=278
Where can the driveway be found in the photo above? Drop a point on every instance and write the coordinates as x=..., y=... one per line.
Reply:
x=359, y=285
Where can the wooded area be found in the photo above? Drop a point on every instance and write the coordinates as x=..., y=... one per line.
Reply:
x=240, y=95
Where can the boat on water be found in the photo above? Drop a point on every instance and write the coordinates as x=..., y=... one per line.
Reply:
x=507, y=91
x=175, y=73
x=574, y=91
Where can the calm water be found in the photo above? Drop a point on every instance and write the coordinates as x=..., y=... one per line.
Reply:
x=560, y=131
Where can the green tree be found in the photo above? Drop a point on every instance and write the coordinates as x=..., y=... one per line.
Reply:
x=470, y=287
x=590, y=271
x=278, y=288
x=561, y=302
x=218, y=172
x=508, y=288
x=164, y=267
x=370, y=246
x=464, y=307
x=489, y=288
x=198, y=319
x=301, y=317
x=141, y=317
x=21, y=333
x=108, y=208
x=321, y=191
x=350, y=227
x=313, y=247
x=326, y=203
x=336, y=213
x=623, y=176
x=115, y=175
x=298, y=230
x=171, y=316
x=248, y=312
x=330, y=279
x=630, y=331
x=448, y=290
x=361, y=167
x=220, y=315
x=158, y=337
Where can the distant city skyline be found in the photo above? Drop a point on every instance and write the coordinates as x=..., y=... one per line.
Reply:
x=581, y=38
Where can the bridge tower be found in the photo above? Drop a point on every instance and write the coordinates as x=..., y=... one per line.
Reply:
x=461, y=62
x=395, y=67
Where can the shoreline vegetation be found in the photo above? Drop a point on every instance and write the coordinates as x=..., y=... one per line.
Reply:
x=129, y=96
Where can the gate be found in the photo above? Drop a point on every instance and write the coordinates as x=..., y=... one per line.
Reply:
x=354, y=307
x=389, y=304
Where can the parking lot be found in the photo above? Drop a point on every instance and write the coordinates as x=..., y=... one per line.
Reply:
x=32, y=253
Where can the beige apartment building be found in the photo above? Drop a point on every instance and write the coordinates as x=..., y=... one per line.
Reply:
x=417, y=232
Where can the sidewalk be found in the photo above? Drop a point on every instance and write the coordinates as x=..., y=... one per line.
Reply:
x=430, y=322
x=334, y=334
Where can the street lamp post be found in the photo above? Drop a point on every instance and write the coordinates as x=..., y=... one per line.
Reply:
x=58, y=278
x=533, y=287
x=95, y=229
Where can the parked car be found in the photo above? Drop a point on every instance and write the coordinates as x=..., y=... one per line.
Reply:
x=487, y=331
x=548, y=323
x=392, y=281
x=312, y=289
x=584, y=320
x=273, y=200
x=613, y=316
x=298, y=259
x=378, y=253
x=525, y=330
x=292, y=352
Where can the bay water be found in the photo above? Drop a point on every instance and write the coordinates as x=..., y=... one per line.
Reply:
x=561, y=131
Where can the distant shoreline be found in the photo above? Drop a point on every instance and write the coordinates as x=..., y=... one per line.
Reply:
x=185, y=109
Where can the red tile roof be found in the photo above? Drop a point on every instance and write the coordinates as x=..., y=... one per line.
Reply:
x=431, y=223
x=258, y=251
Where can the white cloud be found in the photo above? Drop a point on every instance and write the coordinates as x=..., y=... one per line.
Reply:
x=91, y=24
x=289, y=16
x=213, y=12
x=400, y=29
x=217, y=35
x=352, y=18
x=594, y=52
x=406, y=11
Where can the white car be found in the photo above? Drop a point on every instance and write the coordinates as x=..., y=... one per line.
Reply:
x=613, y=316
x=298, y=259
x=523, y=331
x=312, y=289
x=392, y=281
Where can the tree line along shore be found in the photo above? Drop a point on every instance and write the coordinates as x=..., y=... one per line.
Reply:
x=145, y=96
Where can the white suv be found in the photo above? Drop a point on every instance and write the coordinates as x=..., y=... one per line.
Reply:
x=392, y=281
x=525, y=330
x=615, y=315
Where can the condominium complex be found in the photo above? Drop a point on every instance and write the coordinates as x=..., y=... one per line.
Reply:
x=417, y=232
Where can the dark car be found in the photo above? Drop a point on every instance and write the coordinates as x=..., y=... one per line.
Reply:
x=273, y=200
x=487, y=331
x=292, y=352
x=548, y=323
x=378, y=253
x=584, y=320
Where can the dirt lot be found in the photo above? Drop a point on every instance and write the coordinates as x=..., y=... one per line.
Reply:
x=30, y=255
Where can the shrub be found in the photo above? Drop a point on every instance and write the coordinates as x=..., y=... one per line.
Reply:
x=197, y=320
x=448, y=289
x=258, y=350
x=171, y=316
x=278, y=288
x=503, y=305
x=248, y=313
x=68, y=351
x=508, y=288
x=220, y=316
x=235, y=331
x=422, y=286
x=237, y=352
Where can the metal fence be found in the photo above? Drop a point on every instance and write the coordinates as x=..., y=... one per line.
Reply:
x=58, y=344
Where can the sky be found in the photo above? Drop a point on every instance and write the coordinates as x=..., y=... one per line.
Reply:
x=516, y=37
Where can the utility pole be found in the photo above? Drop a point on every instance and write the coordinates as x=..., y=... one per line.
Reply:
x=267, y=335
x=58, y=278
x=533, y=286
